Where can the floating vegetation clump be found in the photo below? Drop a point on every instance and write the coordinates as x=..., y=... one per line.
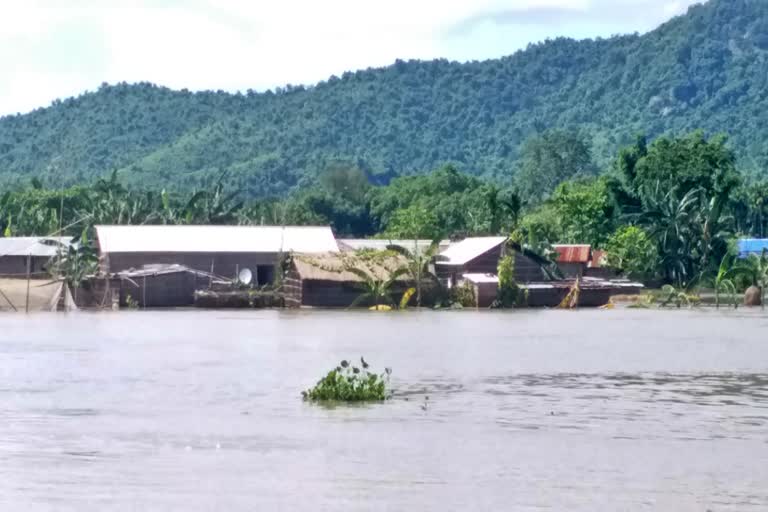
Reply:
x=348, y=383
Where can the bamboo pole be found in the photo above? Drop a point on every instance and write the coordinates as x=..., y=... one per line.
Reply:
x=29, y=272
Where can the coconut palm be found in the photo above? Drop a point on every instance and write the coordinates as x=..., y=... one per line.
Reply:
x=417, y=265
x=374, y=289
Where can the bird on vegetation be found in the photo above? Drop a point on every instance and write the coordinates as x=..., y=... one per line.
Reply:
x=365, y=365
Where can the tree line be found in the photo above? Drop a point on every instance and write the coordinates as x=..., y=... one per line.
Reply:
x=667, y=209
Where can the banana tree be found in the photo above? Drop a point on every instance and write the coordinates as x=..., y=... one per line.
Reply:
x=417, y=265
x=723, y=281
x=375, y=289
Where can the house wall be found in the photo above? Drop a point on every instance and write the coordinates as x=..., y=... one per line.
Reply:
x=224, y=264
x=527, y=270
x=16, y=266
x=168, y=290
x=572, y=269
x=485, y=294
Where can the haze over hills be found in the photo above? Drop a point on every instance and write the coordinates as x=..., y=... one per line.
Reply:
x=707, y=69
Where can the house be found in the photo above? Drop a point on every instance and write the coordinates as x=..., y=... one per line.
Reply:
x=17, y=252
x=481, y=255
x=220, y=250
x=324, y=280
x=573, y=260
x=749, y=246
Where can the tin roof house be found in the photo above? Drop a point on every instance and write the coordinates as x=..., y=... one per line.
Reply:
x=220, y=250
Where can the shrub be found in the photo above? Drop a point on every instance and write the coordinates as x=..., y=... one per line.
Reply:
x=347, y=383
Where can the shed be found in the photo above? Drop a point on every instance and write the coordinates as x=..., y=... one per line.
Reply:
x=221, y=250
x=14, y=252
x=573, y=259
x=324, y=280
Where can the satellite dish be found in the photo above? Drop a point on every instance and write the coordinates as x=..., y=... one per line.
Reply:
x=245, y=276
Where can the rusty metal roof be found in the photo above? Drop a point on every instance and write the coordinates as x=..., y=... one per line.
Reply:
x=573, y=253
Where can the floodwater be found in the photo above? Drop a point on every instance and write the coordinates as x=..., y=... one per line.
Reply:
x=619, y=410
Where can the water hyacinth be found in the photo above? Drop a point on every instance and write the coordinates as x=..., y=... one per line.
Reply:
x=349, y=383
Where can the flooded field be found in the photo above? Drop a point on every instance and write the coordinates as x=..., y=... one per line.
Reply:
x=548, y=410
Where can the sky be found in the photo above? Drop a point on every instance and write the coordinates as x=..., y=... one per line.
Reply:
x=53, y=49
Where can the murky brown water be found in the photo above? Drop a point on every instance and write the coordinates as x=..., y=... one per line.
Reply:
x=556, y=411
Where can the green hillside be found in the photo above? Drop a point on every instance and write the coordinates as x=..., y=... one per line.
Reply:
x=707, y=69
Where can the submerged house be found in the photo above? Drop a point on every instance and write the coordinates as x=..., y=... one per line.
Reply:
x=324, y=280
x=573, y=259
x=18, y=252
x=220, y=250
x=481, y=256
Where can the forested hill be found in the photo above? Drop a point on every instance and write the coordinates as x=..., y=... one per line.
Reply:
x=707, y=69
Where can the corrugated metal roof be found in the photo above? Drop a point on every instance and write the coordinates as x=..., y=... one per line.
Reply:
x=33, y=245
x=573, y=253
x=463, y=252
x=482, y=278
x=749, y=246
x=213, y=239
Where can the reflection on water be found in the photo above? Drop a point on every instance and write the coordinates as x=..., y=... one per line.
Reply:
x=619, y=410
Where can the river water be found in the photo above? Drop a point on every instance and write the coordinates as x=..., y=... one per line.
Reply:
x=618, y=410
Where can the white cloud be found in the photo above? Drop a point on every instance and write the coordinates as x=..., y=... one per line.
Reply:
x=48, y=51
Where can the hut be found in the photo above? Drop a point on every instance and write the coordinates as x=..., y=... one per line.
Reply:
x=573, y=260
x=325, y=280
x=16, y=253
x=481, y=255
x=220, y=250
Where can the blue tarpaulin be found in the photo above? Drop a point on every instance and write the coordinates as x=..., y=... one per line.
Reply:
x=749, y=246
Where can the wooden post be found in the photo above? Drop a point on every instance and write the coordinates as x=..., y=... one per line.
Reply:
x=144, y=294
x=210, y=277
x=29, y=276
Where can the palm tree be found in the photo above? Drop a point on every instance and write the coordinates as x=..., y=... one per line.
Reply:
x=374, y=289
x=417, y=264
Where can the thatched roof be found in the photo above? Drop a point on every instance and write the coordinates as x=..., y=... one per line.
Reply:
x=334, y=266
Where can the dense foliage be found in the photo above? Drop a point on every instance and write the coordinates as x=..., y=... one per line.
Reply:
x=707, y=69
